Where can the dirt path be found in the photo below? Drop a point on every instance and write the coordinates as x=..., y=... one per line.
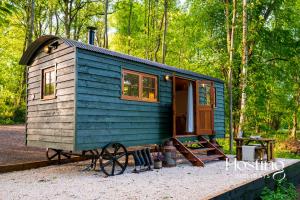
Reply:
x=13, y=149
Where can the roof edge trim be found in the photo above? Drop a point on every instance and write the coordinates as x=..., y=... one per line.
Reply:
x=34, y=47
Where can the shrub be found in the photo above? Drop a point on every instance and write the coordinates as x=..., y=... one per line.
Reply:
x=283, y=191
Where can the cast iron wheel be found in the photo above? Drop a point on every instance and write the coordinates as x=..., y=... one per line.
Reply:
x=113, y=159
x=52, y=153
x=93, y=155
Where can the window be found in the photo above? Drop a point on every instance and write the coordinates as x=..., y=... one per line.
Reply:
x=48, y=83
x=139, y=86
x=131, y=85
x=207, y=94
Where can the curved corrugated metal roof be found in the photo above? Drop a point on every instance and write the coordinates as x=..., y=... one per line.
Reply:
x=34, y=47
x=37, y=44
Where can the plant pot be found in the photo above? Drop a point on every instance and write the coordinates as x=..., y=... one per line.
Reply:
x=157, y=164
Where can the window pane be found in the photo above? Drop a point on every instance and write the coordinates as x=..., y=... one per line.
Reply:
x=49, y=82
x=205, y=94
x=131, y=85
x=52, y=77
x=47, y=75
x=52, y=83
x=149, y=88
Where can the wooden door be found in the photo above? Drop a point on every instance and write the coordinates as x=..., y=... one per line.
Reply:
x=205, y=100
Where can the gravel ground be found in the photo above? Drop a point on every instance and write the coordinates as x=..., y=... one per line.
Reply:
x=13, y=149
x=181, y=182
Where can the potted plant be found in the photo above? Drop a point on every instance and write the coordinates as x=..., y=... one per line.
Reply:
x=157, y=159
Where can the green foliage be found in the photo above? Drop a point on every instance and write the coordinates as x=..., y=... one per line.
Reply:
x=6, y=9
x=196, y=40
x=12, y=102
x=224, y=143
x=283, y=191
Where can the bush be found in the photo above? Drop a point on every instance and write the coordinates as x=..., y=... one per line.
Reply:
x=283, y=191
x=19, y=114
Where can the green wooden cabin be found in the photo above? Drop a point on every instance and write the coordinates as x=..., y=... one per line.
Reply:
x=81, y=97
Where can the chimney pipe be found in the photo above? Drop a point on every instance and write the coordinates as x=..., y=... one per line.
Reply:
x=91, y=35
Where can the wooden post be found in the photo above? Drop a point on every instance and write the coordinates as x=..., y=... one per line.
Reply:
x=196, y=108
x=174, y=104
x=212, y=104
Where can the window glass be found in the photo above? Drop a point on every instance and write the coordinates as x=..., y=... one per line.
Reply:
x=149, y=88
x=131, y=85
x=205, y=95
x=139, y=86
x=49, y=77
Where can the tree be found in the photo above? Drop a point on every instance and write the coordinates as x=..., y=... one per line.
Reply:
x=105, y=38
x=164, y=43
x=30, y=11
x=230, y=50
x=5, y=9
x=70, y=9
x=243, y=83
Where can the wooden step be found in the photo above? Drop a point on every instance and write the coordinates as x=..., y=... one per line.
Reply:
x=198, y=142
x=210, y=145
x=209, y=158
x=202, y=150
x=183, y=136
x=198, y=156
x=188, y=154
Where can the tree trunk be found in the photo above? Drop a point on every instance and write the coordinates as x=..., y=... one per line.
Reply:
x=149, y=57
x=164, y=43
x=57, y=23
x=228, y=32
x=295, y=124
x=105, y=42
x=243, y=83
x=28, y=40
x=295, y=114
x=129, y=27
x=67, y=17
x=50, y=21
x=230, y=48
x=31, y=23
x=145, y=27
x=158, y=41
x=75, y=28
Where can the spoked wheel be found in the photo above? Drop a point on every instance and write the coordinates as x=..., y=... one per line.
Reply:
x=113, y=159
x=51, y=154
x=94, y=155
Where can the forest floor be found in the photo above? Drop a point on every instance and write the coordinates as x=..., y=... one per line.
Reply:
x=13, y=149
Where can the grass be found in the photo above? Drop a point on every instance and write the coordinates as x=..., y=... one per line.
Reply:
x=224, y=142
